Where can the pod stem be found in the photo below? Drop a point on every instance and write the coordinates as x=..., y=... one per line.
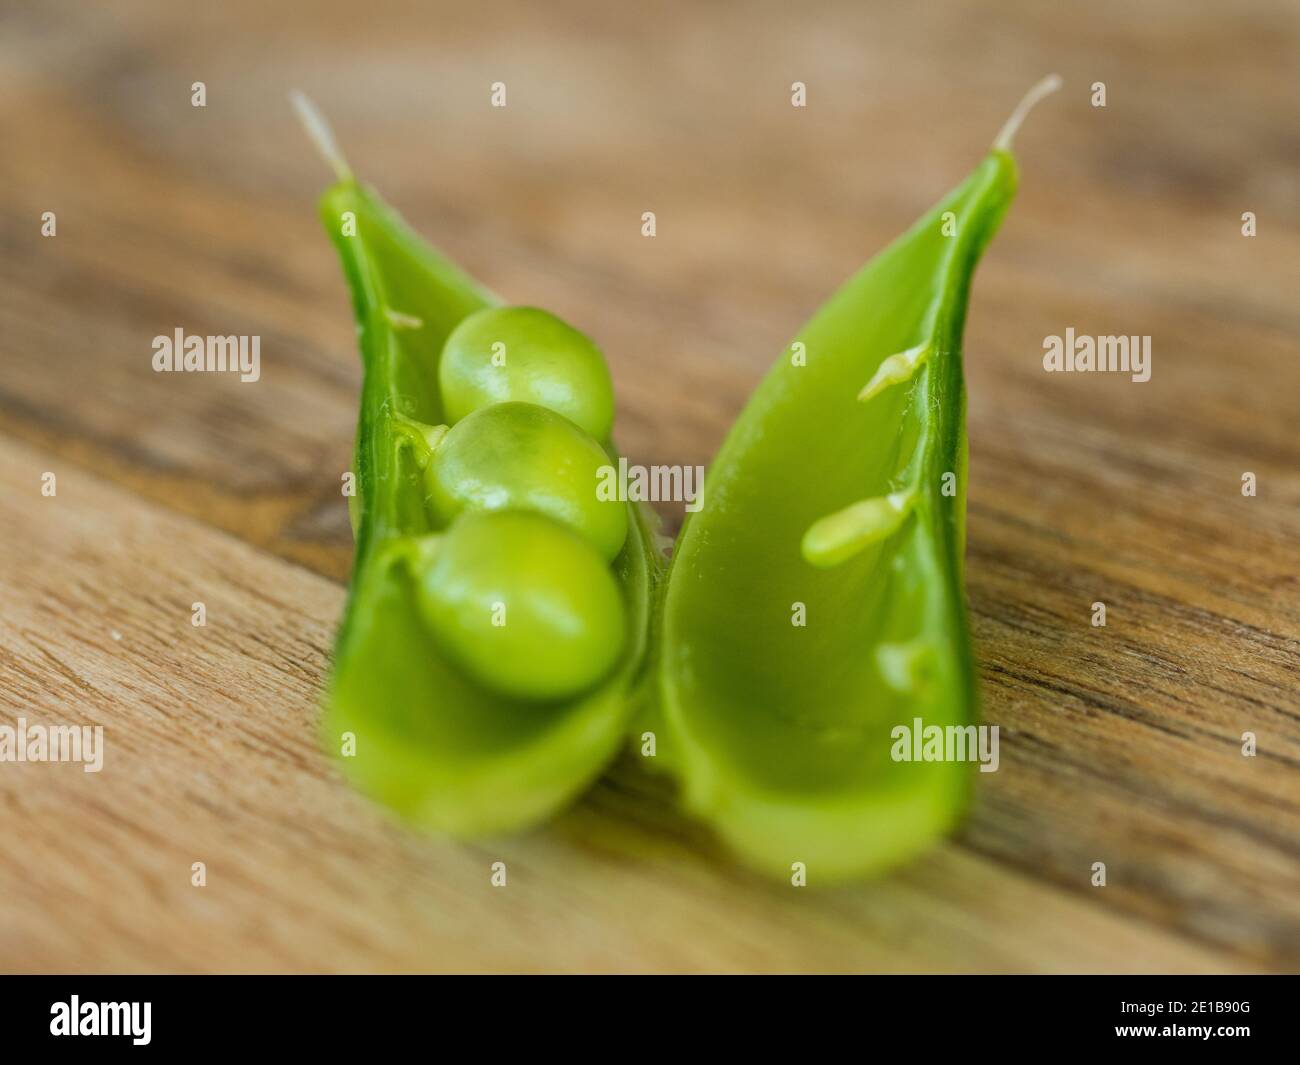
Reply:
x=893, y=370
x=422, y=438
x=1007, y=133
x=839, y=536
x=318, y=129
x=414, y=553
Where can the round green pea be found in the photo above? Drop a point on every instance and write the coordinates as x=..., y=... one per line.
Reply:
x=519, y=456
x=523, y=353
x=523, y=605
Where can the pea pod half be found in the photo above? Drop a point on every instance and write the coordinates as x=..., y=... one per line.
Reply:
x=815, y=604
x=415, y=731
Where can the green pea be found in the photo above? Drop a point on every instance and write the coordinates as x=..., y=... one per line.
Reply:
x=523, y=605
x=519, y=456
x=522, y=353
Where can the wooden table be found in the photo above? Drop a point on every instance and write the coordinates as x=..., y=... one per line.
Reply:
x=1120, y=744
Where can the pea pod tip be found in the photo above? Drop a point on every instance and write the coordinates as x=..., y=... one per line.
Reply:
x=320, y=133
x=1045, y=87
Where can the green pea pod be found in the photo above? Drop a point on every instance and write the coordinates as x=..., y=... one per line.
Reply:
x=815, y=604
x=413, y=731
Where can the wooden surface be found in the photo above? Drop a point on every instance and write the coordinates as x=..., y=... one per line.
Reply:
x=1119, y=744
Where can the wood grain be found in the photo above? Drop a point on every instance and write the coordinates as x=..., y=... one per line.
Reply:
x=1120, y=744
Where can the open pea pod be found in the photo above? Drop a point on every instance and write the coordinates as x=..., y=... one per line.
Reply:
x=414, y=731
x=815, y=603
